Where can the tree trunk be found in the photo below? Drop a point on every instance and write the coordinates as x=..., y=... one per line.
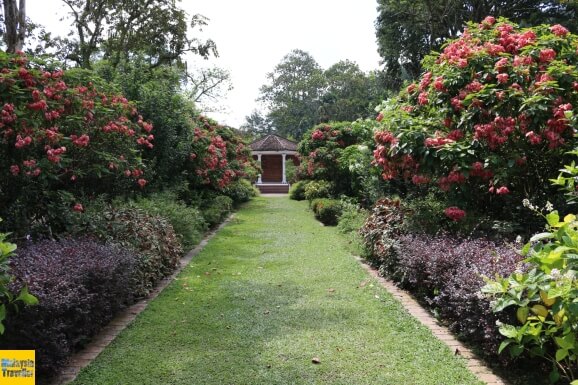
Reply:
x=15, y=22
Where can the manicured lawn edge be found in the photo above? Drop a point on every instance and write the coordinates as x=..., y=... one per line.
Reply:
x=85, y=356
x=474, y=363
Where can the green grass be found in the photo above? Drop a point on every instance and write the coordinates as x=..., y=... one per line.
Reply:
x=271, y=291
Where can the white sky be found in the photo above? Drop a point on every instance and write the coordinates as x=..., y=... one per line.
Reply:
x=252, y=37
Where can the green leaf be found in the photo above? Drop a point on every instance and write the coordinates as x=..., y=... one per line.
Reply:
x=541, y=236
x=26, y=297
x=553, y=218
x=516, y=350
x=503, y=345
x=561, y=354
x=508, y=331
x=7, y=248
x=554, y=375
x=567, y=342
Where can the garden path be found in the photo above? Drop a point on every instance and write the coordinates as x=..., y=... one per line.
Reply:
x=275, y=298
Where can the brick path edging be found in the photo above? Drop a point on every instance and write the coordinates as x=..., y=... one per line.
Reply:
x=85, y=356
x=474, y=364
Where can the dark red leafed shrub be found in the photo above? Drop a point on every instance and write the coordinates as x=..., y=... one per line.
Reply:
x=80, y=284
x=447, y=273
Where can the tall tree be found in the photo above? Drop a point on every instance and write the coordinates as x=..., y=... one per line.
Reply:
x=118, y=29
x=292, y=94
x=206, y=86
x=407, y=30
x=257, y=124
x=15, y=24
x=350, y=93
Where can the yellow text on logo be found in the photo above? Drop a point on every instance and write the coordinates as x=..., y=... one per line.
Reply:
x=17, y=367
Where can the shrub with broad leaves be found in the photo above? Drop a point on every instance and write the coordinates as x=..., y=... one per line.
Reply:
x=489, y=121
x=8, y=299
x=545, y=299
x=64, y=135
x=148, y=234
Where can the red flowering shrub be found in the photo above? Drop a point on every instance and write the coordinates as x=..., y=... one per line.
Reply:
x=218, y=156
x=491, y=119
x=63, y=135
x=327, y=149
x=454, y=213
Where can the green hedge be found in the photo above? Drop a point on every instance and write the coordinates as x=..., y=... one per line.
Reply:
x=327, y=211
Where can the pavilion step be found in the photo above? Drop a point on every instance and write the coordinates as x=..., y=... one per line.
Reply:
x=273, y=188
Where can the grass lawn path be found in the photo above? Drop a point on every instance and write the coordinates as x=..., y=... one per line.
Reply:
x=271, y=291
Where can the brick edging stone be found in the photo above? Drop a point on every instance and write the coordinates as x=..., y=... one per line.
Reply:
x=107, y=334
x=473, y=363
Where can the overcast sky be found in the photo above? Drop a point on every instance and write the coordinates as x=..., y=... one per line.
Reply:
x=252, y=36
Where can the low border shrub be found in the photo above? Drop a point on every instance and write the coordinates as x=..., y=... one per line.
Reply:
x=327, y=211
x=187, y=221
x=80, y=284
x=241, y=191
x=216, y=210
x=297, y=190
x=318, y=189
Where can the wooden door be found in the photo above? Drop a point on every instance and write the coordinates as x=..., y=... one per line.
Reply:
x=272, y=168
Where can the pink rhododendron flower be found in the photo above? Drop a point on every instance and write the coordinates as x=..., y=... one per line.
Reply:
x=502, y=78
x=454, y=213
x=502, y=190
x=420, y=179
x=317, y=135
x=78, y=208
x=558, y=30
x=422, y=98
x=547, y=55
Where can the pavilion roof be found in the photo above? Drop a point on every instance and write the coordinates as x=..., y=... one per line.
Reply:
x=273, y=143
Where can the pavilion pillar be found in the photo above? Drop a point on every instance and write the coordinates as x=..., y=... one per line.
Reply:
x=283, y=163
x=259, y=181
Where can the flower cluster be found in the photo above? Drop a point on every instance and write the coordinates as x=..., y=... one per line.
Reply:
x=454, y=213
x=496, y=100
x=218, y=156
x=65, y=133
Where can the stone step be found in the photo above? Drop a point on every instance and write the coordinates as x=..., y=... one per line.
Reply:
x=273, y=188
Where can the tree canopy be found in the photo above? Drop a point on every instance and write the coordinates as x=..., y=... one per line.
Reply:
x=116, y=30
x=300, y=94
